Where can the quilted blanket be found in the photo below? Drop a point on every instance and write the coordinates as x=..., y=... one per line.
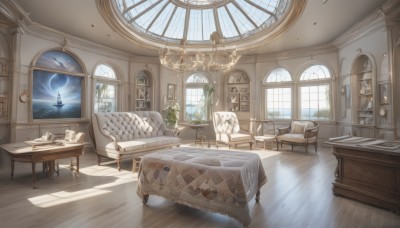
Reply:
x=215, y=180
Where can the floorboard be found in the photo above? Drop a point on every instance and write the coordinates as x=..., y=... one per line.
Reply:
x=298, y=194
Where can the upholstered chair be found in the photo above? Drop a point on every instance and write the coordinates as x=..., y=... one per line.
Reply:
x=227, y=130
x=300, y=132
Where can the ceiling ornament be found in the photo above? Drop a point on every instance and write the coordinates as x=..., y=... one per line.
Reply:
x=216, y=59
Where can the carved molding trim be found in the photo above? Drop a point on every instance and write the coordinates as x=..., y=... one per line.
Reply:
x=366, y=26
x=57, y=36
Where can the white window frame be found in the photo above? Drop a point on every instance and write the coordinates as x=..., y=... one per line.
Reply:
x=194, y=86
x=102, y=79
x=269, y=85
x=316, y=82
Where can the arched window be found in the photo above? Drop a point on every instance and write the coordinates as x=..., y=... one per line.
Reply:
x=195, y=100
x=106, y=83
x=315, y=93
x=278, y=94
x=57, y=86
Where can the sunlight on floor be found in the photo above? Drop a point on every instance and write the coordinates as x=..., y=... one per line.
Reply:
x=62, y=197
x=122, y=177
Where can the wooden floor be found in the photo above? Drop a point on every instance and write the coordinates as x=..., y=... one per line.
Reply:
x=298, y=194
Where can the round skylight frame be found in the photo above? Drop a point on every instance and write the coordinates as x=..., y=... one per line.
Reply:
x=262, y=35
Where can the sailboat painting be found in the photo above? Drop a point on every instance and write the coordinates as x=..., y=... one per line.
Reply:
x=56, y=95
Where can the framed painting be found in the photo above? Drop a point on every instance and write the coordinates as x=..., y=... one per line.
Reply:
x=171, y=92
x=56, y=95
x=347, y=96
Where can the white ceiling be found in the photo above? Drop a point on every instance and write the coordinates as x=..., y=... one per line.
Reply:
x=320, y=23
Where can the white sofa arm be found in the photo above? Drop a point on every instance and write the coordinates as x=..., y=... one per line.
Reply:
x=103, y=137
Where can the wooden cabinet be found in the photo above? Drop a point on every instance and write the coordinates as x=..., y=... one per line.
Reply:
x=368, y=175
x=238, y=92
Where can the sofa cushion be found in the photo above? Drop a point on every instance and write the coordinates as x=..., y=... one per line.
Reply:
x=147, y=143
x=296, y=138
x=239, y=137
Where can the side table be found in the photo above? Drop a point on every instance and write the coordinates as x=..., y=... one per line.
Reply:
x=198, y=139
x=265, y=138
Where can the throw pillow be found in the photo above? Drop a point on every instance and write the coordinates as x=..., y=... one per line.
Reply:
x=298, y=127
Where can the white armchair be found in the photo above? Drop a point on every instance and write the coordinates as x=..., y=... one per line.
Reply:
x=303, y=133
x=227, y=130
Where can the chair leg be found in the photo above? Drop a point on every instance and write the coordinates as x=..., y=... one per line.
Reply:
x=98, y=159
x=315, y=145
x=119, y=164
x=251, y=145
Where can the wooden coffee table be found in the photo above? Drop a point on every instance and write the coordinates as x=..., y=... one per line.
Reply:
x=46, y=153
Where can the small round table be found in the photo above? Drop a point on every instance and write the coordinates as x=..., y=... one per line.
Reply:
x=198, y=139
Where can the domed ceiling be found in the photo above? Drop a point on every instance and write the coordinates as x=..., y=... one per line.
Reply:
x=239, y=24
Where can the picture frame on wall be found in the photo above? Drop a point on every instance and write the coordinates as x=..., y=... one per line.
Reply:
x=59, y=94
x=347, y=96
x=171, y=88
x=384, y=93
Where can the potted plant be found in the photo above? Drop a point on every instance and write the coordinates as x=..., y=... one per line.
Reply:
x=171, y=111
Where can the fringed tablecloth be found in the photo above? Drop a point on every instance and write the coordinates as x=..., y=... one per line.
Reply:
x=215, y=180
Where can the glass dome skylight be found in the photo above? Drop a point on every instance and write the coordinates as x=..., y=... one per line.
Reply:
x=171, y=21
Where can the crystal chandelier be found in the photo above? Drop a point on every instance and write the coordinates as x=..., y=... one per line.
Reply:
x=216, y=59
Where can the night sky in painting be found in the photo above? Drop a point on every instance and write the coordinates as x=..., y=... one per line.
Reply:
x=58, y=60
x=46, y=86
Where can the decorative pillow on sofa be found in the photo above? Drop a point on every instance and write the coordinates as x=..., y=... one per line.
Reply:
x=298, y=127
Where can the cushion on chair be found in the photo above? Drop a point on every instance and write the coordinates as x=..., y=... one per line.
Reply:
x=297, y=127
x=296, y=138
x=239, y=137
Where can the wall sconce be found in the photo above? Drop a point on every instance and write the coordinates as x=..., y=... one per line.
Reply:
x=24, y=96
x=343, y=90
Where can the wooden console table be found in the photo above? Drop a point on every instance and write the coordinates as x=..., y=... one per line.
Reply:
x=367, y=173
x=46, y=153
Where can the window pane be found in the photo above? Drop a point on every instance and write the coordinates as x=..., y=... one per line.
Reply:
x=197, y=78
x=315, y=72
x=104, y=71
x=280, y=106
x=278, y=75
x=194, y=107
x=314, y=104
x=105, y=100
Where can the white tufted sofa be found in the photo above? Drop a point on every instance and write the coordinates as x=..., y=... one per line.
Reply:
x=119, y=135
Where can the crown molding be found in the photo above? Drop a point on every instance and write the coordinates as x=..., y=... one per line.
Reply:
x=327, y=48
x=145, y=59
x=369, y=24
x=15, y=14
x=53, y=35
x=391, y=11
